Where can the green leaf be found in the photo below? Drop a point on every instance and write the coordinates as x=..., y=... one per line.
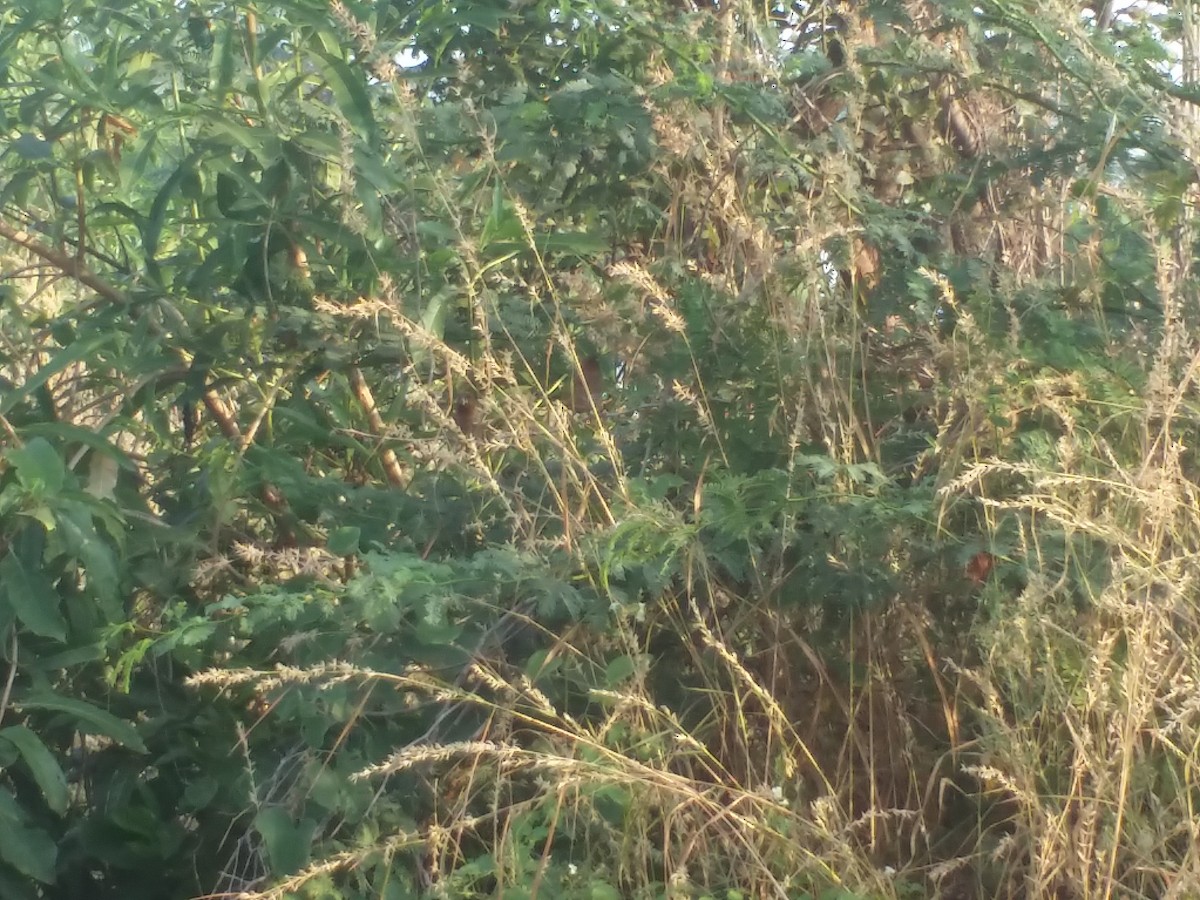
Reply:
x=619, y=670
x=14, y=887
x=17, y=188
x=42, y=765
x=64, y=431
x=598, y=890
x=73, y=656
x=344, y=541
x=75, y=523
x=10, y=810
x=68, y=356
x=29, y=850
x=153, y=226
x=222, y=61
x=32, y=597
x=97, y=720
x=351, y=95
x=287, y=842
x=581, y=243
x=39, y=467
x=433, y=318
x=199, y=793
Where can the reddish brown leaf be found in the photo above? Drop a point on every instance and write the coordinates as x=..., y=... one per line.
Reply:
x=980, y=567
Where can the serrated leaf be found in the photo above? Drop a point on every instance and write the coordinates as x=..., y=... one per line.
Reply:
x=42, y=765
x=98, y=720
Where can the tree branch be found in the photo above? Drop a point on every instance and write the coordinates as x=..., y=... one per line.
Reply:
x=69, y=266
x=362, y=391
x=74, y=268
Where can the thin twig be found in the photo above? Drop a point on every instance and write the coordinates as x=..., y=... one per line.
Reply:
x=12, y=674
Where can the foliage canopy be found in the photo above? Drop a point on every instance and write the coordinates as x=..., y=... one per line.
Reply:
x=502, y=447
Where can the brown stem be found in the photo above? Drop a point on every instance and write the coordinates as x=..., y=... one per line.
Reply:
x=65, y=264
x=960, y=128
x=391, y=465
x=222, y=415
x=81, y=216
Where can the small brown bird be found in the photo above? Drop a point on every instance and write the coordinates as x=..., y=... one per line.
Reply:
x=465, y=413
x=587, y=384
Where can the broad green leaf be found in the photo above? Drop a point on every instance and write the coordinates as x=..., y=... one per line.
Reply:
x=44, y=515
x=287, y=842
x=14, y=887
x=39, y=467
x=10, y=810
x=372, y=209
x=344, y=541
x=64, y=431
x=192, y=633
x=74, y=656
x=42, y=765
x=542, y=663
x=94, y=718
x=76, y=526
x=619, y=670
x=29, y=850
x=199, y=793
x=385, y=176
x=32, y=597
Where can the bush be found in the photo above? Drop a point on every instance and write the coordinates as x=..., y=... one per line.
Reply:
x=594, y=450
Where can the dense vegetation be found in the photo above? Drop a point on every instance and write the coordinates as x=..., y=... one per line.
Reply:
x=598, y=449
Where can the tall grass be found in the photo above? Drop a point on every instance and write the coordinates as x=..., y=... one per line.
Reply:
x=1028, y=731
